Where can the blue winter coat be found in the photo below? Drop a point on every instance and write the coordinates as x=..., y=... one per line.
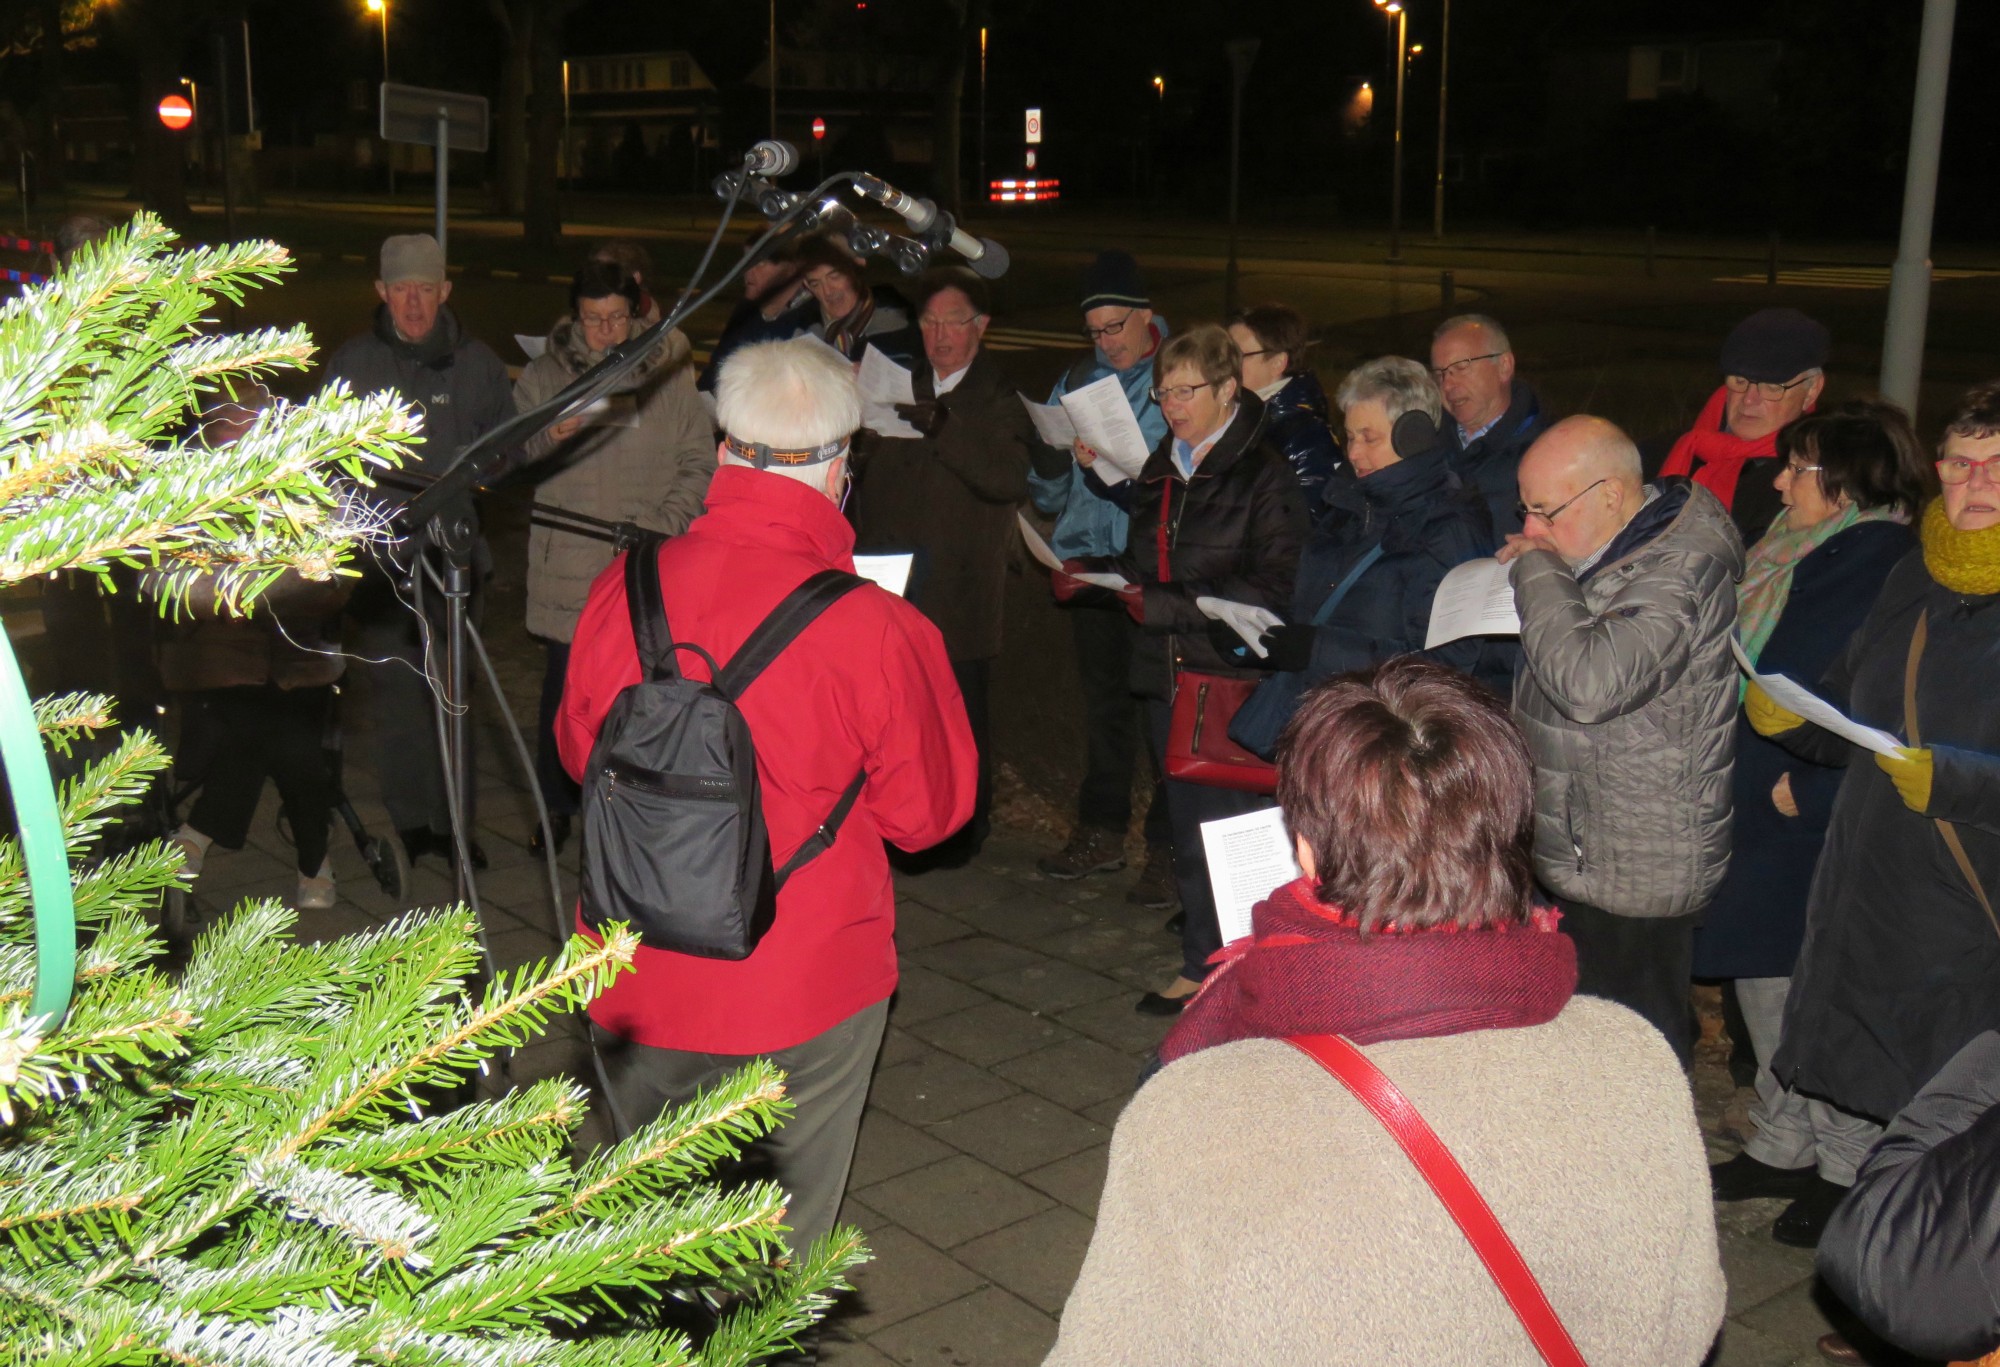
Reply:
x=1086, y=524
x=1758, y=917
x=1492, y=462
x=1295, y=422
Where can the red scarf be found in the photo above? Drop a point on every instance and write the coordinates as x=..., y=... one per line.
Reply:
x=1307, y=969
x=1722, y=456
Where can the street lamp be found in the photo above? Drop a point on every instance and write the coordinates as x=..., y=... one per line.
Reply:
x=1160, y=88
x=1444, y=86
x=380, y=9
x=1395, y=8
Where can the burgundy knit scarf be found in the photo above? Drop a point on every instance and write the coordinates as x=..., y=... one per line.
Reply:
x=1721, y=456
x=1307, y=970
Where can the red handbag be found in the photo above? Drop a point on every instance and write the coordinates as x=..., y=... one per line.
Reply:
x=1199, y=749
x=1467, y=1208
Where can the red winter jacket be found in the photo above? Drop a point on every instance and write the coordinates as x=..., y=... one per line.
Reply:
x=866, y=686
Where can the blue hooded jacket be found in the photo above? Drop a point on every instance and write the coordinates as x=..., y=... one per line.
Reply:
x=1087, y=524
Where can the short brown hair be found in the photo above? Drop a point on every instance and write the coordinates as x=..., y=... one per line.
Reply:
x=1413, y=788
x=1866, y=452
x=938, y=279
x=1277, y=328
x=1978, y=413
x=634, y=259
x=1208, y=348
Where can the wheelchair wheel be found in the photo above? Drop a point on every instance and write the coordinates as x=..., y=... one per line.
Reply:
x=390, y=865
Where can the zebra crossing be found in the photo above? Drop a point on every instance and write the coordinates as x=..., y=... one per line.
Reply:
x=1844, y=277
x=1033, y=339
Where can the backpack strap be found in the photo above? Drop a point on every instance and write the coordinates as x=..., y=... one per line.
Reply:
x=792, y=616
x=1440, y=1169
x=1945, y=828
x=648, y=609
x=821, y=840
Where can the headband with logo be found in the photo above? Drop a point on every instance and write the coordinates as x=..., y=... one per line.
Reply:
x=763, y=457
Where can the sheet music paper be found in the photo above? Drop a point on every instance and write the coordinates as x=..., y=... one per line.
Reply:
x=1052, y=422
x=1104, y=422
x=892, y=572
x=1474, y=599
x=883, y=385
x=1796, y=697
x=1037, y=547
x=531, y=347
x=1249, y=858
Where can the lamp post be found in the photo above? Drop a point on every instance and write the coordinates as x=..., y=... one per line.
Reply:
x=1444, y=85
x=1910, y=277
x=1394, y=8
x=980, y=194
x=380, y=9
x=1242, y=52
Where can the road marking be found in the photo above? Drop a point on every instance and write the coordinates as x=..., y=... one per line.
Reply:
x=1032, y=339
x=1845, y=277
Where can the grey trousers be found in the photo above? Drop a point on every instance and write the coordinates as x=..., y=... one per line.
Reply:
x=809, y=1156
x=1796, y=1131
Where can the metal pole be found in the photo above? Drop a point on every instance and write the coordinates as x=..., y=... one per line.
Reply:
x=1242, y=52
x=1396, y=162
x=1444, y=87
x=222, y=136
x=774, y=68
x=443, y=168
x=1910, y=279
x=979, y=193
x=249, y=88
x=458, y=706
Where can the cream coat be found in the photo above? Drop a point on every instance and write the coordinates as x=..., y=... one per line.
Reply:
x=1255, y=1213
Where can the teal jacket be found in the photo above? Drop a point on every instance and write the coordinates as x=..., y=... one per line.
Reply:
x=1087, y=524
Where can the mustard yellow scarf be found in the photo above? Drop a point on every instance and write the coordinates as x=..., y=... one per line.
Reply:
x=1964, y=562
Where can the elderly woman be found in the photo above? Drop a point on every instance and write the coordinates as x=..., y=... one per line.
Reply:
x=852, y=316
x=1273, y=342
x=1376, y=555
x=1852, y=480
x=1217, y=518
x=1255, y=1212
x=1900, y=967
x=643, y=454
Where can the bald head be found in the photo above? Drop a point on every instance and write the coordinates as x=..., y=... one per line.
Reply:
x=1581, y=482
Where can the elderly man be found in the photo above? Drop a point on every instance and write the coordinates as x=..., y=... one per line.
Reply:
x=1627, y=693
x=1494, y=414
x=866, y=688
x=418, y=350
x=1119, y=321
x=950, y=494
x=1773, y=369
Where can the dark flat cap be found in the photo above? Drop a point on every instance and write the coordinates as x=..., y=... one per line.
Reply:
x=1775, y=345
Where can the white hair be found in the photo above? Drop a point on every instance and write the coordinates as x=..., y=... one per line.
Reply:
x=1398, y=383
x=1496, y=336
x=789, y=396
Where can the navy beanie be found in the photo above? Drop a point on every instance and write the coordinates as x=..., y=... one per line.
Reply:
x=1775, y=345
x=1113, y=280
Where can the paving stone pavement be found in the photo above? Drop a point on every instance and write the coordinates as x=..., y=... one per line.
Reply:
x=1011, y=1048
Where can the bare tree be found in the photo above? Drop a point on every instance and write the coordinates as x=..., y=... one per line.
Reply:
x=531, y=114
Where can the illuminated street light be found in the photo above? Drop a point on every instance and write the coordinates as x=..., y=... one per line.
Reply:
x=1160, y=87
x=1395, y=8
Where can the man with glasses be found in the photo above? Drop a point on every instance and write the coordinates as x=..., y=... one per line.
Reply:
x=1119, y=322
x=1773, y=370
x=1627, y=695
x=949, y=494
x=1495, y=415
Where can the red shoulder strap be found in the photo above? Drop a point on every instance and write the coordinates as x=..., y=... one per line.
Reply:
x=1372, y=1088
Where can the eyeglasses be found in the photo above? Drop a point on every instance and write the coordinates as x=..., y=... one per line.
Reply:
x=1460, y=367
x=1179, y=393
x=1091, y=334
x=931, y=320
x=1959, y=469
x=1766, y=389
x=610, y=320
x=1246, y=355
x=1552, y=514
x=1794, y=469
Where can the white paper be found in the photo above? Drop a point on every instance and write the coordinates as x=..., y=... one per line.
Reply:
x=883, y=385
x=1105, y=424
x=610, y=410
x=1036, y=546
x=1249, y=858
x=531, y=347
x=892, y=572
x=1117, y=583
x=1796, y=697
x=1052, y=422
x=1474, y=599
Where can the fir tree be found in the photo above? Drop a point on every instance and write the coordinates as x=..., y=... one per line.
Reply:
x=232, y=1164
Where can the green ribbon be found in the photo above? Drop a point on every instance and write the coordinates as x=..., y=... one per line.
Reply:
x=35, y=813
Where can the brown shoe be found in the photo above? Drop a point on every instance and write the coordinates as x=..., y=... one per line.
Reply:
x=1090, y=850
x=1836, y=1348
x=1157, y=887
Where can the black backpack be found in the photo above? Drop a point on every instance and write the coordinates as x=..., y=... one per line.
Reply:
x=673, y=827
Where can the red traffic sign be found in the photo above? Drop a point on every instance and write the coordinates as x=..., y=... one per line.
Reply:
x=819, y=129
x=176, y=113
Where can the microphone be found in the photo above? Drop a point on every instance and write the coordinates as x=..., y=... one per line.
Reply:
x=986, y=257
x=772, y=157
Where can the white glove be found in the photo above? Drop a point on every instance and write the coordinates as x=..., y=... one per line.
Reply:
x=1117, y=583
x=1248, y=622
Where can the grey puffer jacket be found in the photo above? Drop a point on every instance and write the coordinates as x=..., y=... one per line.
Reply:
x=646, y=458
x=1627, y=693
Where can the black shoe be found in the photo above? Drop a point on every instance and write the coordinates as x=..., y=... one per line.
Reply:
x=1153, y=1004
x=1744, y=1178
x=422, y=840
x=1175, y=924
x=1805, y=1219
x=1089, y=851
x=538, y=843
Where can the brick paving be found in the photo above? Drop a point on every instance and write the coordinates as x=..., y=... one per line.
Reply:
x=1012, y=1046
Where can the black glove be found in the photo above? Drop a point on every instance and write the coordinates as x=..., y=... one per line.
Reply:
x=1290, y=648
x=927, y=417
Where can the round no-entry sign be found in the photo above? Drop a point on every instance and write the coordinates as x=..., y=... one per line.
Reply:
x=175, y=112
x=819, y=129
